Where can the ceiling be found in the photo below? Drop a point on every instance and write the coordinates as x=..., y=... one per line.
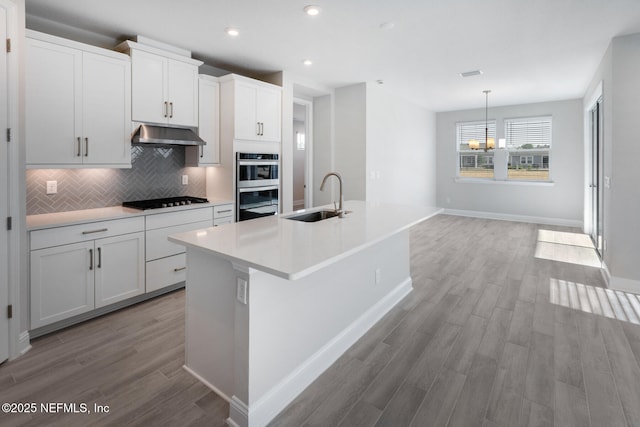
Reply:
x=528, y=50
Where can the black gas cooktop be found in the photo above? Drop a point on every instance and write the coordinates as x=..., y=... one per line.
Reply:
x=166, y=202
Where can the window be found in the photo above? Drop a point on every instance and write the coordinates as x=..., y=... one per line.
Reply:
x=473, y=161
x=529, y=144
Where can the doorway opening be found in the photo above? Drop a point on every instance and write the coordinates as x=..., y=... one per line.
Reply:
x=302, y=154
x=596, y=179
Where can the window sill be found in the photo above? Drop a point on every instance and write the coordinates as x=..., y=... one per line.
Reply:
x=492, y=181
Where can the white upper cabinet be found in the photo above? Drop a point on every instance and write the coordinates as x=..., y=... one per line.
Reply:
x=77, y=104
x=257, y=108
x=164, y=86
x=208, y=124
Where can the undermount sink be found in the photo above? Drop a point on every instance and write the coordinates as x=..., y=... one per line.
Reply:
x=313, y=216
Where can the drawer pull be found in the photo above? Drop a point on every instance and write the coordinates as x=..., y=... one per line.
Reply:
x=95, y=231
x=179, y=269
x=225, y=211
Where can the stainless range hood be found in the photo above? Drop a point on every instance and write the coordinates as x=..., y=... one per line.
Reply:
x=163, y=135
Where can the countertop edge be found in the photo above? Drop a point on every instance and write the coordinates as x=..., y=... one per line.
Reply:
x=294, y=275
x=109, y=213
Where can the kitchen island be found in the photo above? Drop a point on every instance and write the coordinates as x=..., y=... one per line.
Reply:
x=271, y=303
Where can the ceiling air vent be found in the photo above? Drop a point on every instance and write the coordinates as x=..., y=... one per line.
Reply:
x=471, y=73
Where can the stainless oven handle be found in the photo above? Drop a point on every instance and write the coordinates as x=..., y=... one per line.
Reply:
x=257, y=162
x=248, y=189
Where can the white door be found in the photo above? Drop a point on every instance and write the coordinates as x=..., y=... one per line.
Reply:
x=53, y=100
x=4, y=198
x=182, y=93
x=105, y=125
x=148, y=74
x=119, y=268
x=245, y=112
x=269, y=113
x=62, y=282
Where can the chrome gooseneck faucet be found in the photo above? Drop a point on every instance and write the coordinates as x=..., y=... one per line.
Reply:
x=340, y=211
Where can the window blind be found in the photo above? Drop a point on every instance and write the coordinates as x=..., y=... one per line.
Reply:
x=534, y=131
x=473, y=131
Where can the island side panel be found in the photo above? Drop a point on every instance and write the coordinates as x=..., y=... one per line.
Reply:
x=298, y=328
x=210, y=325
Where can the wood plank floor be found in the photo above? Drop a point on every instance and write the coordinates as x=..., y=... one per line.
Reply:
x=491, y=336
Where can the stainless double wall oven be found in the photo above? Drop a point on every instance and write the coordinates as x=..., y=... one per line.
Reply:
x=257, y=185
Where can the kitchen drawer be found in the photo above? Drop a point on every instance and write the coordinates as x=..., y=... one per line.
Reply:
x=84, y=232
x=166, y=271
x=158, y=246
x=178, y=218
x=223, y=211
x=222, y=221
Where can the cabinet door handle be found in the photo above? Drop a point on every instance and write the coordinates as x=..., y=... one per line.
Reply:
x=100, y=230
x=90, y=259
x=171, y=110
x=166, y=108
x=99, y=258
x=86, y=146
x=179, y=269
x=201, y=151
x=79, y=147
x=257, y=128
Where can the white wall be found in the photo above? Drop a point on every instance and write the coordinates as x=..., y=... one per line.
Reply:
x=384, y=147
x=557, y=203
x=322, y=146
x=619, y=73
x=401, y=150
x=350, y=146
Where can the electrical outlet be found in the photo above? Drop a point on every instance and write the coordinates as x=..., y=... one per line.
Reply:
x=241, y=291
x=185, y=179
x=52, y=187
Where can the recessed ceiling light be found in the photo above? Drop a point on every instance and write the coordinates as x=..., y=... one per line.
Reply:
x=307, y=62
x=232, y=31
x=387, y=25
x=471, y=73
x=312, y=10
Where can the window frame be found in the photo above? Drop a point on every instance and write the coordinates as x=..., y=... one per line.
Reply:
x=493, y=126
x=541, y=151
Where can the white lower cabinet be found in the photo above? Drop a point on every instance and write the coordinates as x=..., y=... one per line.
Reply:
x=119, y=268
x=62, y=283
x=75, y=269
x=223, y=214
x=166, y=261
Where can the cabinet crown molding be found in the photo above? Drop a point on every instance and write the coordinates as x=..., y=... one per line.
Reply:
x=127, y=45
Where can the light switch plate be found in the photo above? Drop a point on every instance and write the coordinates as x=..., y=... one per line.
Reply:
x=241, y=291
x=52, y=187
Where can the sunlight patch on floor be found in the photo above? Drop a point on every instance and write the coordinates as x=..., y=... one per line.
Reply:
x=590, y=299
x=574, y=248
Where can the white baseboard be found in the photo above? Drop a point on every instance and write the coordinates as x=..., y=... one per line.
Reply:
x=516, y=218
x=24, y=343
x=619, y=283
x=275, y=400
x=207, y=383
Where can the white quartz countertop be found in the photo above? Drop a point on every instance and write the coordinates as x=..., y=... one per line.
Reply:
x=293, y=249
x=58, y=219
